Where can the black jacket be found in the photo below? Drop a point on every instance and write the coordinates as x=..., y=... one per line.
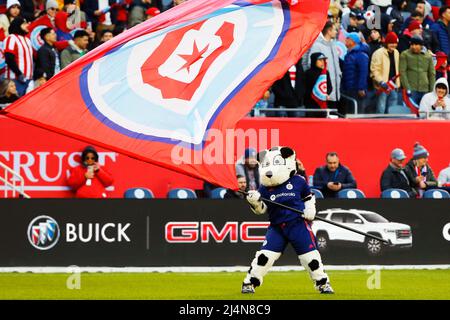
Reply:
x=394, y=178
x=285, y=94
x=410, y=170
x=46, y=59
x=342, y=175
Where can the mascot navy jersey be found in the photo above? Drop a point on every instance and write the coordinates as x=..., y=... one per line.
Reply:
x=289, y=193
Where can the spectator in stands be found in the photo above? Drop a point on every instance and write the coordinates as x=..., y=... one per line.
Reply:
x=249, y=169
x=333, y=177
x=48, y=60
x=444, y=178
x=394, y=175
x=417, y=74
x=77, y=49
x=414, y=29
x=441, y=67
x=384, y=67
x=266, y=101
x=39, y=78
x=28, y=11
x=12, y=11
x=395, y=11
x=68, y=19
x=301, y=170
x=375, y=41
x=325, y=43
x=441, y=29
x=289, y=91
x=137, y=12
x=433, y=103
x=19, y=55
x=419, y=172
x=355, y=70
x=89, y=179
x=8, y=93
x=242, y=186
x=151, y=12
x=318, y=64
x=51, y=8
x=421, y=9
x=98, y=14
x=106, y=35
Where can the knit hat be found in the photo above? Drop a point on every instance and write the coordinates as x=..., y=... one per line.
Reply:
x=10, y=3
x=416, y=40
x=355, y=37
x=420, y=152
x=414, y=25
x=391, y=37
x=152, y=11
x=51, y=4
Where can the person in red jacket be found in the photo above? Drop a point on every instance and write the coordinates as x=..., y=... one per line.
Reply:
x=89, y=180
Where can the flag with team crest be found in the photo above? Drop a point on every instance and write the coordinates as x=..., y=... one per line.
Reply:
x=163, y=90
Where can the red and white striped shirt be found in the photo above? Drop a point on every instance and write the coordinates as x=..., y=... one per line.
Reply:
x=21, y=47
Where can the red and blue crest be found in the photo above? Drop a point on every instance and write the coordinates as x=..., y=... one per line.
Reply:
x=201, y=65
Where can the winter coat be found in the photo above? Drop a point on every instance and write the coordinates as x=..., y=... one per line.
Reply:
x=417, y=71
x=356, y=69
x=380, y=65
x=70, y=54
x=285, y=94
x=429, y=99
x=329, y=49
x=410, y=170
x=310, y=79
x=396, y=179
x=77, y=181
x=441, y=32
x=395, y=12
x=323, y=175
x=46, y=59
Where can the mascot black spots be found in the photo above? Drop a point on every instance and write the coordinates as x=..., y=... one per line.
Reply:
x=280, y=183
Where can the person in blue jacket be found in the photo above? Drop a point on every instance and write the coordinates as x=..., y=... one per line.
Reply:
x=440, y=29
x=355, y=71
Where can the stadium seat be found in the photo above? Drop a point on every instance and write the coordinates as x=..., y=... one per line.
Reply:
x=181, y=193
x=317, y=193
x=394, y=194
x=218, y=193
x=138, y=193
x=350, y=194
x=436, y=194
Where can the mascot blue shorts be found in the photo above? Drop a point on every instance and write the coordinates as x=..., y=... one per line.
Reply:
x=281, y=184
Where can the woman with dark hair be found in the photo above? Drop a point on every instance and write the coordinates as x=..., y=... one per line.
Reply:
x=89, y=179
x=13, y=10
x=8, y=92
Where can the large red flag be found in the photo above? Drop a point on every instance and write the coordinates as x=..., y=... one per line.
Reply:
x=157, y=91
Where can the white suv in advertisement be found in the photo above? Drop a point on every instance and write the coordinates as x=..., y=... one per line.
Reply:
x=398, y=234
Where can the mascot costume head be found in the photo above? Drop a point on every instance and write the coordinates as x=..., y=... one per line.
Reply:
x=276, y=166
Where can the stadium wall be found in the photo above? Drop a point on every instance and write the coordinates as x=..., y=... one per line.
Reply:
x=43, y=157
x=200, y=233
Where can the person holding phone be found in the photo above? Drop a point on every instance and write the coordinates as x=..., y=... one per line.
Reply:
x=89, y=179
x=333, y=177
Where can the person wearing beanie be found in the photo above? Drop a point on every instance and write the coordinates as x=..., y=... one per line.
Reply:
x=19, y=55
x=248, y=167
x=48, y=19
x=440, y=29
x=433, y=103
x=417, y=73
x=384, y=70
x=12, y=11
x=441, y=67
x=421, y=11
x=89, y=179
x=355, y=71
x=394, y=177
x=419, y=172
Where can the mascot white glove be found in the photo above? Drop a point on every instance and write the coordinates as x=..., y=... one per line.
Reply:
x=310, y=207
x=257, y=206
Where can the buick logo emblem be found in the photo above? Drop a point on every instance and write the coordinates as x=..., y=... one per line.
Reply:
x=43, y=232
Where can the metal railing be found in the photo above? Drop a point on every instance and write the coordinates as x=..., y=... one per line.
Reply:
x=11, y=185
x=257, y=112
x=429, y=114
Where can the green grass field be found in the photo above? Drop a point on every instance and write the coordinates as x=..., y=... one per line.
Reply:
x=398, y=284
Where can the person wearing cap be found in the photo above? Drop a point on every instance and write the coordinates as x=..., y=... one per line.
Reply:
x=441, y=29
x=48, y=60
x=433, y=103
x=326, y=44
x=355, y=71
x=249, y=169
x=12, y=11
x=394, y=176
x=152, y=12
x=384, y=67
x=89, y=179
x=318, y=64
x=417, y=73
x=441, y=67
x=419, y=172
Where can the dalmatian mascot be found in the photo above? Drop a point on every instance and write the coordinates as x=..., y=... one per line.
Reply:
x=280, y=183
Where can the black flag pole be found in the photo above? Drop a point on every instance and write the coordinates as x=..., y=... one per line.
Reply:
x=322, y=219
